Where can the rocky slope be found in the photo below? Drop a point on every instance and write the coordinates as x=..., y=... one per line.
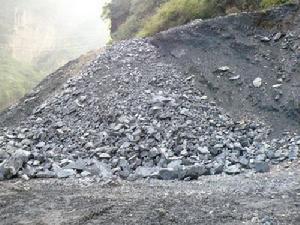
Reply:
x=216, y=96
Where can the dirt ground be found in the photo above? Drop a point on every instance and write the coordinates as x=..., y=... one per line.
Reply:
x=272, y=198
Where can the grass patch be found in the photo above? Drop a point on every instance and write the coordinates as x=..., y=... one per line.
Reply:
x=146, y=18
x=270, y=3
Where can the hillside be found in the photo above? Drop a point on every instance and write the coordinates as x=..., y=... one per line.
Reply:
x=16, y=79
x=37, y=37
x=198, y=124
x=139, y=18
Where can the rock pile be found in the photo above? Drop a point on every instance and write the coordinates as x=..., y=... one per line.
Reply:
x=132, y=117
x=134, y=113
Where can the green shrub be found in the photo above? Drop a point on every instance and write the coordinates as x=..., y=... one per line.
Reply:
x=173, y=13
x=178, y=12
x=270, y=3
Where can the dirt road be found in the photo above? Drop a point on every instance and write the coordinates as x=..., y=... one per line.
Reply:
x=272, y=198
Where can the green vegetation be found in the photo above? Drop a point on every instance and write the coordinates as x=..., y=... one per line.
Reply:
x=176, y=12
x=270, y=3
x=16, y=79
x=142, y=18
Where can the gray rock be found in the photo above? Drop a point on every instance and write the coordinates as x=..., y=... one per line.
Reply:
x=101, y=169
x=203, y=150
x=265, y=39
x=293, y=152
x=154, y=152
x=2, y=177
x=144, y=172
x=85, y=174
x=104, y=156
x=278, y=36
x=3, y=155
x=45, y=174
x=11, y=166
x=260, y=158
x=65, y=173
x=40, y=145
x=168, y=174
x=257, y=82
x=176, y=164
x=192, y=172
x=77, y=165
x=261, y=167
x=217, y=168
x=233, y=169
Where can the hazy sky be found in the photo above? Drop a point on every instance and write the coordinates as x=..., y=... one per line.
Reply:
x=51, y=26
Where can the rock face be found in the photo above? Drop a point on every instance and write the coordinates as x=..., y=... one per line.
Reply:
x=137, y=112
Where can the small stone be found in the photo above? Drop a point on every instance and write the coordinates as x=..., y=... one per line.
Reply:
x=203, y=150
x=233, y=169
x=104, y=156
x=144, y=172
x=25, y=177
x=223, y=69
x=277, y=36
x=40, y=145
x=3, y=155
x=184, y=152
x=244, y=162
x=192, y=172
x=261, y=167
x=36, y=163
x=260, y=157
x=89, y=145
x=265, y=39
x=77, y=165
x=101, y=169
x=277, y=85
x=26, y=142
x=235, y=77
x=168, y=174
x=176, y=164
x=65, y=173
x=154, y=152
x=85, y=174
x=45, y=174
x=21, y=136
x=217, y=168
x=257, y=82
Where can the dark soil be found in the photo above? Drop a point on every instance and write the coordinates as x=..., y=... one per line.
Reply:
x=272, y=198
x=235, y=41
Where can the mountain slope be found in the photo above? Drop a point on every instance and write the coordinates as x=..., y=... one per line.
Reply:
x=16, y=79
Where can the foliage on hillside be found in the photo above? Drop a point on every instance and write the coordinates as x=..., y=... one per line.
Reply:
x=16, y=79
x=270, y=3
x=147, y=17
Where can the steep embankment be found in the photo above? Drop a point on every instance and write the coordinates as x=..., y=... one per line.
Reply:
x=140, y=18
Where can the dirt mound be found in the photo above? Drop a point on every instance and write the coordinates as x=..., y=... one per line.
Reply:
x=195, y=100
x=257, y=45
